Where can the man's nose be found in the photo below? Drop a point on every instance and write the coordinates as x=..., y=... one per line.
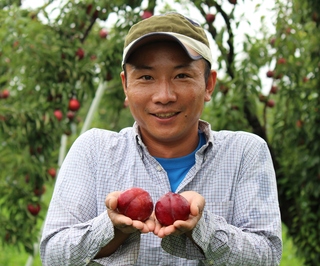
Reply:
x=164, y=93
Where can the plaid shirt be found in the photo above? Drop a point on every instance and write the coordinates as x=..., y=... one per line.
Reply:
x=240, y=225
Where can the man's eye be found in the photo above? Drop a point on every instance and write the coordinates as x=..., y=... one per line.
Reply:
x=181, y=76
x=146, y=77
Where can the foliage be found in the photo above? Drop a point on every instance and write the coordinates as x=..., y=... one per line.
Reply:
x=285, y=115
x=42, y=68
x=296, y=134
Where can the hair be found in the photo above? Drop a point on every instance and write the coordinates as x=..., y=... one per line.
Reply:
x=207, y=71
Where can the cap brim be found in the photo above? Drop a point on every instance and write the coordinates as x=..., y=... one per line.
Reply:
x=157, y=36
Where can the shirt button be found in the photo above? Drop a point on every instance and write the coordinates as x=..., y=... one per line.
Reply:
x=159, y=168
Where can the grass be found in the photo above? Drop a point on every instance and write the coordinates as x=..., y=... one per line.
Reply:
x=14, y=257
x=289, y=254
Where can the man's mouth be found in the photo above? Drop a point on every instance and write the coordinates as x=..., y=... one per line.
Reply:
x=165, y=115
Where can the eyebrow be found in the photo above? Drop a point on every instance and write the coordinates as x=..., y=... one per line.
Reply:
x=146, y=67
x=141, y=67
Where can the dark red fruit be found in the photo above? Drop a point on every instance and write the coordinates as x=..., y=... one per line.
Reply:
x=80, y=53
x=270, y=103
x=52, y=172
x=4, y=94
x=172, y=207
x=146, y=14
x=282, y=61
x=135, y=203
x=103, y=33
x=270, y=73
x=74, y=105
x=274, y=89
x=210, y=17
x=34, y=209
x=58, y=114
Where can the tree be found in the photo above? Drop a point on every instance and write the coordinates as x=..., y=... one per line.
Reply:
x=49, y=70
x=45, y=61
x=296, y=136
x=286, y=116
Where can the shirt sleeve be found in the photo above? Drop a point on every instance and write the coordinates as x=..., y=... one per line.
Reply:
x=74, y=232
x=254, y=235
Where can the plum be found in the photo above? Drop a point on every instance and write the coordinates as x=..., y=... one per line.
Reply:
x=171, y=207
x=135, y=203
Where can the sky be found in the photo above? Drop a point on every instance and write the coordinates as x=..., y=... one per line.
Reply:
x=252, y=9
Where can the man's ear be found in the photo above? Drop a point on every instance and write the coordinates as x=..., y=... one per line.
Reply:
x=211, y=83
x=124, y=82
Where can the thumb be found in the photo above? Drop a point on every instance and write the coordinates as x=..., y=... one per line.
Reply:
x=112, y=201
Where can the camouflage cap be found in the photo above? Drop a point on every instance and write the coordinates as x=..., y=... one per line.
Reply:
x=171, y=26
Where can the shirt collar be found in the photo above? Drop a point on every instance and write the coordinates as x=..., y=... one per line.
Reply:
x=204, y=126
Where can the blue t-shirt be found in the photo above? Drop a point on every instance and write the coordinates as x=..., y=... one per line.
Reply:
x=177, y=168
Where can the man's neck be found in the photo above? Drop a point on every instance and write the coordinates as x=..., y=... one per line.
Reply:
x=172, y=149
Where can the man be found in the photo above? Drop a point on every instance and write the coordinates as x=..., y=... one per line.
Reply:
x=227, y=177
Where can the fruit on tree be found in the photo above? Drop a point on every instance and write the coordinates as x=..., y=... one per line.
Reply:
x=274, y=89
x=270, y=73
x=80, y=53
x=34, y=209
x=74, y=104
x=146, y=14
x=299, y=123
x=272, y=41
x=58, y=114
x=4, y=94
x=234, y=2
x=135, y=203
x=172, y=207
x=52, y=172
x=71, y=115
x=270, y=103
x=210, y=17
x=282, y=61
x=38, y=191
x=103, y=33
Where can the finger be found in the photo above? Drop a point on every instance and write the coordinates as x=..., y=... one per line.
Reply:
x=142, y=227
x=151, y=224
x=169, y=230
x=157, y=227
x=112, y=203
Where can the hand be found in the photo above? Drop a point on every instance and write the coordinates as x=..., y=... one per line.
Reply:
x=124, y=223
x=180, y=227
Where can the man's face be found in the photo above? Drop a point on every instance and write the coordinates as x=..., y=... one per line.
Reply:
x=166, y=91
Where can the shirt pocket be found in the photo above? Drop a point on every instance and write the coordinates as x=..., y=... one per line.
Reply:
x=223, y=209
